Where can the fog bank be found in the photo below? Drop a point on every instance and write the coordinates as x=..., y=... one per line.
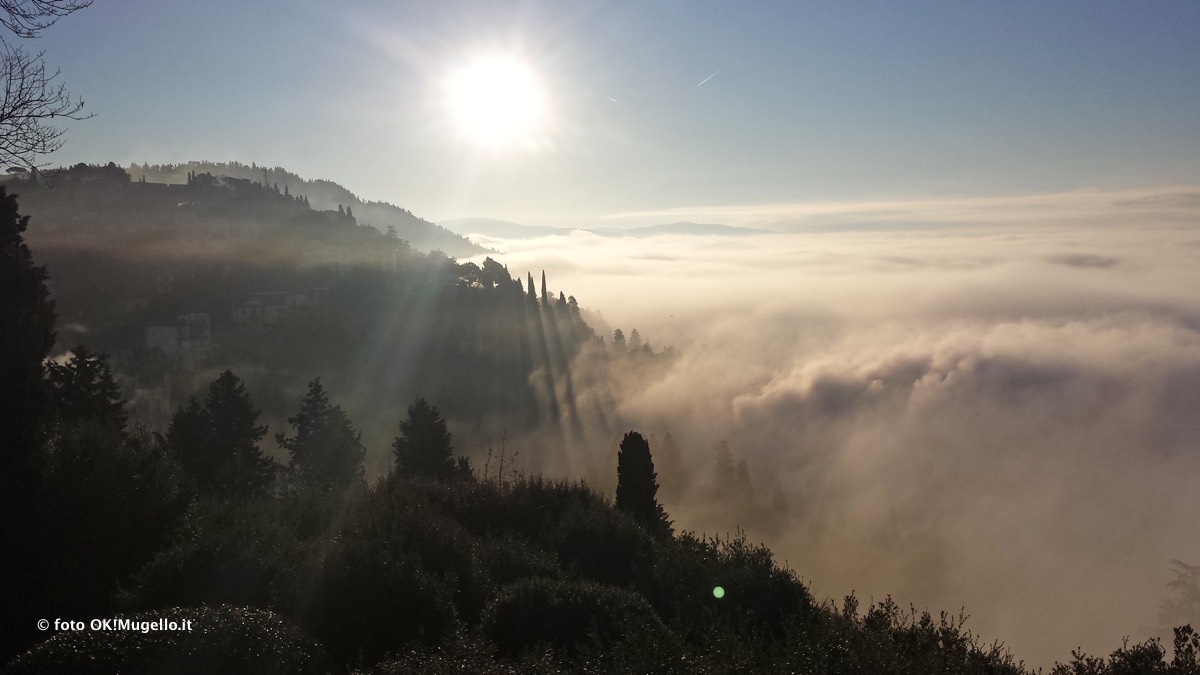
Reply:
x=989, y=416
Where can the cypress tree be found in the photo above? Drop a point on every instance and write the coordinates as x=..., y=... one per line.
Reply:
x=637, y=485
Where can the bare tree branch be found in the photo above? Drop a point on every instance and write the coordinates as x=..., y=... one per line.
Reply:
x=33, y=96
x=26, y=18
x=32, y=99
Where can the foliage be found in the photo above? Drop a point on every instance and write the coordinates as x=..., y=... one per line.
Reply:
x=1144, y=658
x=566, y=615
x=326, y=450
x=217, y=443
x=604, y=545
x=423, y=447
x=105, y=502
x=1185, y=607
x=637, y=485
x=83, y=389
x=26, y=337
x=221, y=640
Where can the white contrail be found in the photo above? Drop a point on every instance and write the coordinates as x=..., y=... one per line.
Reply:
x=709, y=77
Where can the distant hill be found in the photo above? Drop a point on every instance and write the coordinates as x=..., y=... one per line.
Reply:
x=322, y=195
x=503, y=229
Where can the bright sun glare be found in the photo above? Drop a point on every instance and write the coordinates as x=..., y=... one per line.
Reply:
x=496, y=102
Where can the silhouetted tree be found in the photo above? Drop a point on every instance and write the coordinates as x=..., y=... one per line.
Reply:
x=391, y=233
x=494, y=275
x=545, y=296
x=618, y=342
x=1184, y=609
x=217, y=443
x=423, y=447
x=637, y=485
x=26, y=337
x=83, y=388
x=529, y=288
x=349, y=212
x=635, y=340
x=326, y=450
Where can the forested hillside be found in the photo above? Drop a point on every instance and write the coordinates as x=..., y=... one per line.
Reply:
x=277, y=440
x=322, y=195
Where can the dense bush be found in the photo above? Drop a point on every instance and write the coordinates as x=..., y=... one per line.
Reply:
x=1147, y=657
x=604, y=545
x=253, y=553
x=370, y=600
x=566, y=615
x=222, y=640
x=756, y=591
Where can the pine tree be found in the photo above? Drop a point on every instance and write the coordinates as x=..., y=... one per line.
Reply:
x=83, y=389
x=423, y=447
x=217, y=443
x=637, y=486
x=545, y=296
x=529, y=288
x=326, y=451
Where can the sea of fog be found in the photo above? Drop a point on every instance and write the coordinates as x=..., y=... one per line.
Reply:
x=996, y=417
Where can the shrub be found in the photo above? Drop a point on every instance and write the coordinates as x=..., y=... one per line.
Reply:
x=604, y=545
x=566, y=615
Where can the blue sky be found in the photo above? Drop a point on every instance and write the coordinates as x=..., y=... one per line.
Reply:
x=814, y=101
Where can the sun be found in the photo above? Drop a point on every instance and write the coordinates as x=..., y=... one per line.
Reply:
x=496, y=103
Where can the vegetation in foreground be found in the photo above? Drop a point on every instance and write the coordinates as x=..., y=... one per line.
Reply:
x=431, y=570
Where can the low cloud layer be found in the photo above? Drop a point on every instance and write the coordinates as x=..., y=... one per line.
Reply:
x=996, y=417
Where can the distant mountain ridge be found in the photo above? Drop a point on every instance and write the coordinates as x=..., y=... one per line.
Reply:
x=323, y=195
x=503, y=229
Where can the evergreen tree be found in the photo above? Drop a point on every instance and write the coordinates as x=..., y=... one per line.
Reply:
x=529, y=288
x=349, y=212
x=391, y=232
x=189, y=439
x=423, y=447
x=326, y=450
x=83, y=389
x=545, y=296
x=618, y=342
x=637, y=486
x=26, y=337
x=635, y=340
x=217, y=443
